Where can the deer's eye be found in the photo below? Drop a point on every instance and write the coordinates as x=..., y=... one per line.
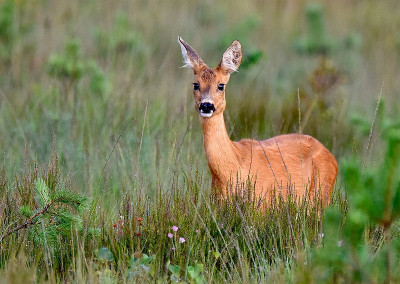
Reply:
x=221, y=87
x=196, y=86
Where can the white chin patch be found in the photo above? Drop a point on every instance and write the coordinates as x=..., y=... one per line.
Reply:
x=203, y=114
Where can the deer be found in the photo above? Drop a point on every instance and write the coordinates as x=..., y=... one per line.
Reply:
x=294, y=163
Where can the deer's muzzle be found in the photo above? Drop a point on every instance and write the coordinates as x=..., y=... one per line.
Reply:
x=206, y=109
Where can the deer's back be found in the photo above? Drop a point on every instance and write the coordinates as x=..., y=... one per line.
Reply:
x=293, y=161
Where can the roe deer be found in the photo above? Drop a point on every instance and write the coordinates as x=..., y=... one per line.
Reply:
x=287, y=163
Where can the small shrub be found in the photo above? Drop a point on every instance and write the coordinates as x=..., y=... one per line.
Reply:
x=352, y=251
x=44, y=213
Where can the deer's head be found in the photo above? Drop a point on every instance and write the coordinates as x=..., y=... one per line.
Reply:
x=209, y=84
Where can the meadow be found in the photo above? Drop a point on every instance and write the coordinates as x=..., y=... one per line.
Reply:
x=103, y=176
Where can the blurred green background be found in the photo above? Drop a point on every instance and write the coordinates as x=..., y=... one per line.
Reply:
x=99, y=81
x=94, y=107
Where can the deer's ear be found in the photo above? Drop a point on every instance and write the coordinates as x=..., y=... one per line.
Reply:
x=190, y=57
x=232, y=57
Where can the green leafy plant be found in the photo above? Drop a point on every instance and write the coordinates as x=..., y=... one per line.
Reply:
x=196, y=273
x=251, y=58
x=375, y=192
x=141, y=267
x=54, y=214
x=103, y=268
x=15, y=28
x=104, y=254
x=317, y=40
x=42, y=211
x=314, y=110
x=6, y=28
x=175, y=272
x=122, y=38
x=358, y=245
x=242, y=31
x=70, y=68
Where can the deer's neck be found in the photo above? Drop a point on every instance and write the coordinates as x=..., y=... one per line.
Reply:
x=219, y=149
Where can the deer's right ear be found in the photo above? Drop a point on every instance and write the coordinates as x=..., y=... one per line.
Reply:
x=190, y=57
x=232, y=57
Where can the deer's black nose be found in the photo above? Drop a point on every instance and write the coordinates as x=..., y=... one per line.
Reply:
x=207, y=108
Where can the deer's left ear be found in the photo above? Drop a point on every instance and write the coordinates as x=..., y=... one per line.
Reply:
x=232, y=57
x=190, y=57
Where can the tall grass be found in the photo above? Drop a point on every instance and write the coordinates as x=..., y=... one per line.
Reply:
x=92, y=101
x=234, y=240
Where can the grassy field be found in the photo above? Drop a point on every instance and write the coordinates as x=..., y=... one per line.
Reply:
x=103, y=177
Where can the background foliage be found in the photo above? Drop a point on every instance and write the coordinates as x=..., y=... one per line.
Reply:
x=94, y=104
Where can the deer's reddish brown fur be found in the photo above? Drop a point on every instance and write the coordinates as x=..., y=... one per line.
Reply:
x=287, y=162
